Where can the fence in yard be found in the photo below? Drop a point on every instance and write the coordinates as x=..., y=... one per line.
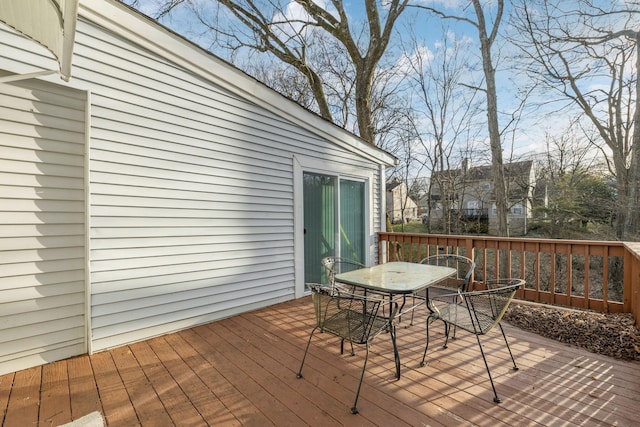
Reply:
x=597, y=275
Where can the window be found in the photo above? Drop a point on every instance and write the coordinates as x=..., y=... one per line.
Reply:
x=517, y=209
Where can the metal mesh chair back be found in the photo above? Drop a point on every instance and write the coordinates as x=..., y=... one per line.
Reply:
x=336, y=265
x=479, y=311
x=463, y=265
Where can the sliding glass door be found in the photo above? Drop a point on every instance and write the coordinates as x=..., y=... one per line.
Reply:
x=334, y=222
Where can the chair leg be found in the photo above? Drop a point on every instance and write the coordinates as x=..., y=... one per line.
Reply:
x=447, y=329
x=354, y=410
x=299, y=375
x=495, y=393
x=396, y=355
x=353, y=352
x=515, y=367
x=424, y=355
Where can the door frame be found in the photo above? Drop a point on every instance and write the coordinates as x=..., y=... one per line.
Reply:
x=302, y=164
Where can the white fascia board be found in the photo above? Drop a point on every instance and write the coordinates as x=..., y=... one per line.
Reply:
x=145, y=32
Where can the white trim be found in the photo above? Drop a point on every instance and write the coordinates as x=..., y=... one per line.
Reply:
x=298, y=229
x=87, y=225
x=17, y=77
x=70, y=17
x=302, y=164
x=383, y=215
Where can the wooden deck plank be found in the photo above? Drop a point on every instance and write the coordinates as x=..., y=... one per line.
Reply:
x=322, y=350
x=581, y=385
x=460, y=351
x=146, y=402
x=118, y=409
x=242, y=371
x=410, y=362
x=151, y=354
x=82, y=387
x=23, y=405
x=201, y=387
x=6, y=384
x=227, y=384
x=265, y=369
x=55, y=406
x=246, y=378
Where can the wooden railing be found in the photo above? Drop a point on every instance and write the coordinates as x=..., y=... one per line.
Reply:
x=597, y=275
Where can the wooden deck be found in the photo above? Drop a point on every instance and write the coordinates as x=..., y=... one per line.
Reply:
x=242, y=371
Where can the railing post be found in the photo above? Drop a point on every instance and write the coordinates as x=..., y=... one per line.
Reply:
x=631, y=298
x=470, y=252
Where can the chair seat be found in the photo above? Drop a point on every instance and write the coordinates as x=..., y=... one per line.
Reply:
x=458, y=315
x=354, y=326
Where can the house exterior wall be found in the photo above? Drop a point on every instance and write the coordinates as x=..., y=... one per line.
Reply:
x=42, y=224
x=190, y=185
x=399, y=205
x=474, y=197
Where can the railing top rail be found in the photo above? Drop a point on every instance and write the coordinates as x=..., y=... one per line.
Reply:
x=629, y=245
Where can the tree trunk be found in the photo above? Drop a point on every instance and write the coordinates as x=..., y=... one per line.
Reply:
x=492, y=117
x=631, y=229
x=363, y=105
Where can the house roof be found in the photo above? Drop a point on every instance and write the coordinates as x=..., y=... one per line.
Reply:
x=390, y=185
x=144, y=31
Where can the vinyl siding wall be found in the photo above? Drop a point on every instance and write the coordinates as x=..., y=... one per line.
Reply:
x=42, y=224
x=191, y=195
x=191, y=214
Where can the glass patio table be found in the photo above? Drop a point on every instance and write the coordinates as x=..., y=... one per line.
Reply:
x=397, y=278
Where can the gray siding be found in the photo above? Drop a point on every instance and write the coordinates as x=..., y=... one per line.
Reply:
x=42, y=239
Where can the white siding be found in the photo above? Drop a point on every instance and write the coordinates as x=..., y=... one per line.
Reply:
x=42, y=255
x=192, y=194
x=190, y=182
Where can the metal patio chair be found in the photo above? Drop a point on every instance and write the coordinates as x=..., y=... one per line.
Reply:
x=477, y=312
x=335, y=265
x=463, y=265
x=354, y=318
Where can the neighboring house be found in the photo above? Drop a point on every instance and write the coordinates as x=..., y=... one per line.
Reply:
x=160, y=188
x=465, y=197
x=399, y=204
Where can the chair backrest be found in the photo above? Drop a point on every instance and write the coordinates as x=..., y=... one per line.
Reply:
x=463, y=265
x=336, y=265
x=354, y=318
x=487, y=307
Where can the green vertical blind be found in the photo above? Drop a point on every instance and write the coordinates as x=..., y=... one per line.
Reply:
x=319, y=224
x=322, y=207
x=352, y=220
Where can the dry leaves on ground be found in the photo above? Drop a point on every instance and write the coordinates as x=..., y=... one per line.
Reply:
x=612, y=335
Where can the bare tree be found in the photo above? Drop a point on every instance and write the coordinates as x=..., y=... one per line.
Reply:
x=575, y=184
x=588, y=54
x=443, y=112
x=487, y=27
x=284, y=79
x=296, y=32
